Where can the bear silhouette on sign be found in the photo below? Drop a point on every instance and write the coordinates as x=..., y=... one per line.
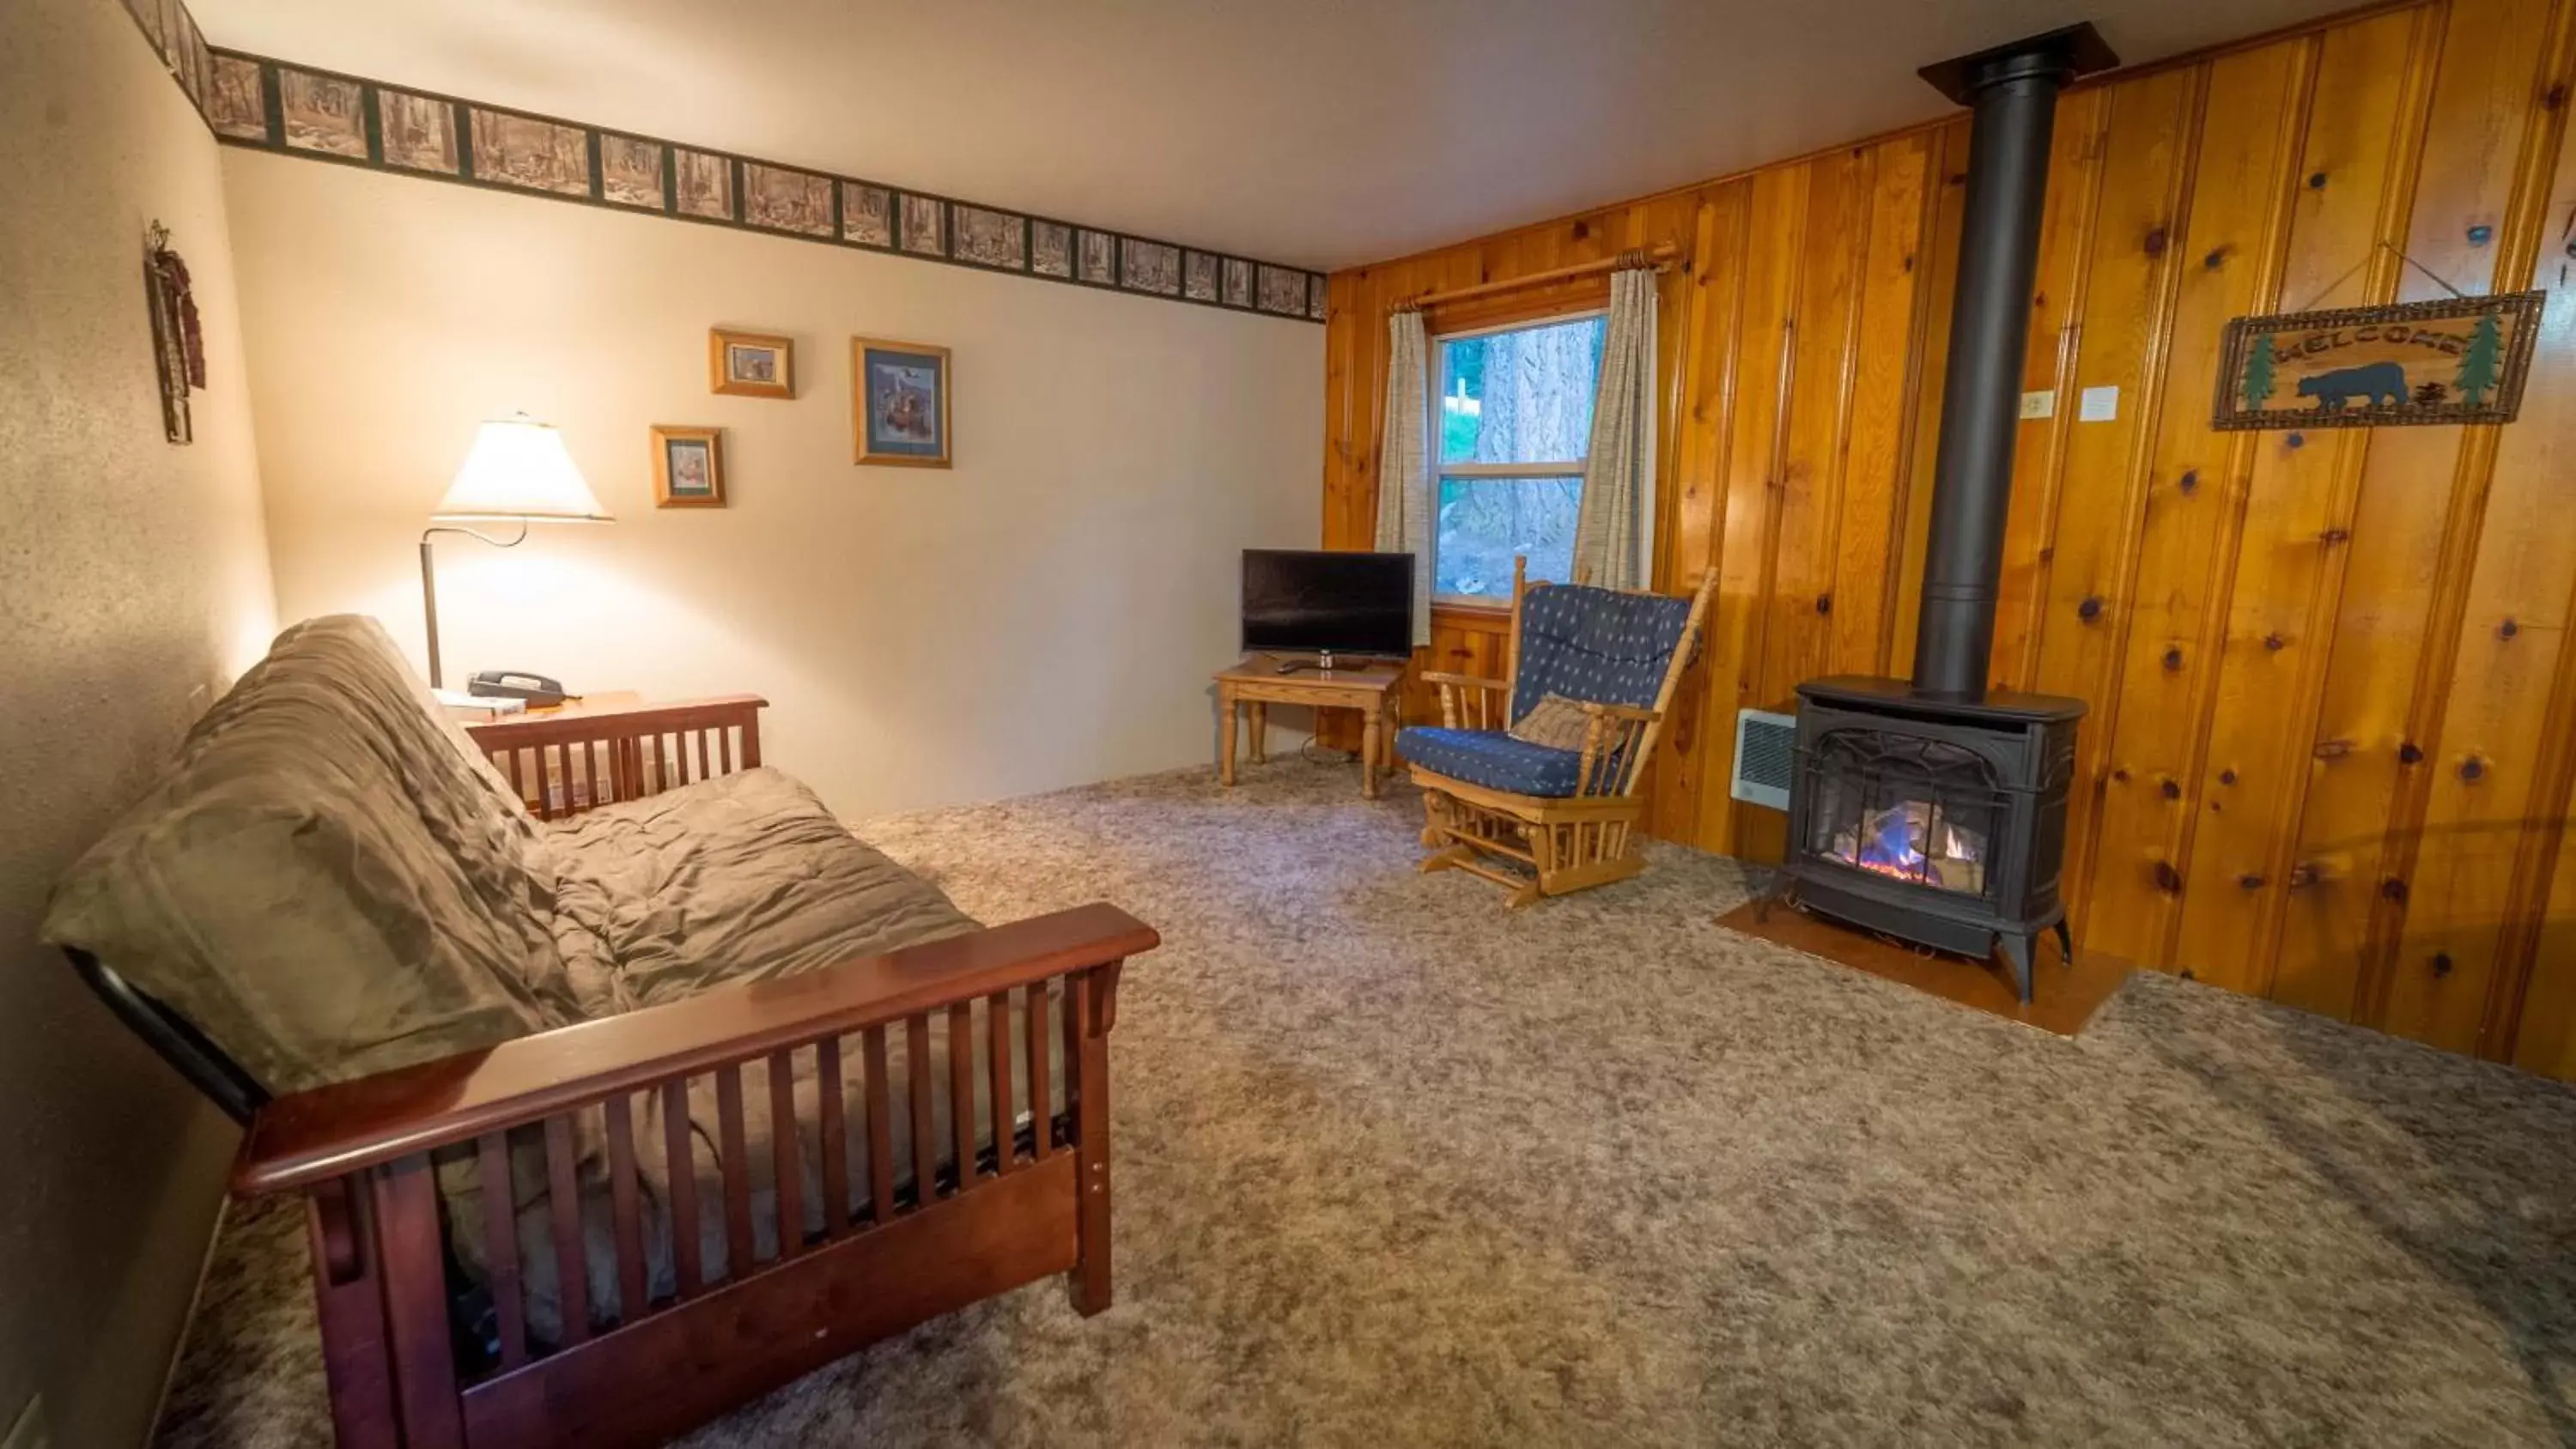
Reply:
x=2379, y=384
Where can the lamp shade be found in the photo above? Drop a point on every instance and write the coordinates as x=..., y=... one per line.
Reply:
x=518, y=469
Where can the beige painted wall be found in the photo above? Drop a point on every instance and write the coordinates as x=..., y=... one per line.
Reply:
x=133, y=582
x=1045, y=613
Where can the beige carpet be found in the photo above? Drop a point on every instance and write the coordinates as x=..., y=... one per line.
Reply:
x=1398, y=1168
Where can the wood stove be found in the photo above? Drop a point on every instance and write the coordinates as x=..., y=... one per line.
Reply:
x=1939, y=821
x=1931, y=809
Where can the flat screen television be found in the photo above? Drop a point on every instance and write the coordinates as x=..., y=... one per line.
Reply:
x=1298, y=601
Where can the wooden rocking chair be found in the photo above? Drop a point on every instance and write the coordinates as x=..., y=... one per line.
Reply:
x=1545, y=816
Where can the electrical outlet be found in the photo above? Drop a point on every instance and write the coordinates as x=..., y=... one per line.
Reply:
x=30, y=1432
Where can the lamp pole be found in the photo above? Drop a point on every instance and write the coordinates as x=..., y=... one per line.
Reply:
x=429, y=582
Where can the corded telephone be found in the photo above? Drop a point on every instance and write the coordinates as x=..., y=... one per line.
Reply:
x=536, y=689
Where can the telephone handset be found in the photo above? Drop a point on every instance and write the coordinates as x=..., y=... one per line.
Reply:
x=536, y=689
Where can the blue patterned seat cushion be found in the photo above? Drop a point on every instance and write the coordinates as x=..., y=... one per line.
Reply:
x=1492, y=759
x=1600, y=645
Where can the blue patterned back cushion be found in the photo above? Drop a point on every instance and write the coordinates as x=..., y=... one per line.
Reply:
x=1600, y=645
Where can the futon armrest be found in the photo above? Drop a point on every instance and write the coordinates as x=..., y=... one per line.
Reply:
x=615, y=720
x=586, y=756
x=309, y=1136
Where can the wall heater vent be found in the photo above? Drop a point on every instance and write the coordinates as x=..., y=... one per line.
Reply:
x=1766, y=756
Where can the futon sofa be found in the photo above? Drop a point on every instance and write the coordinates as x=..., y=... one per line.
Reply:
x=758, y=1094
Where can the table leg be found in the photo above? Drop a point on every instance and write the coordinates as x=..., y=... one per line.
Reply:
x=1372, y=745
x=1225, y=706
x=1260, y=733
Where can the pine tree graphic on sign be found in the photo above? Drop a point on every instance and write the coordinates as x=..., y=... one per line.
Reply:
x=2480, y=364
x=2258, y=374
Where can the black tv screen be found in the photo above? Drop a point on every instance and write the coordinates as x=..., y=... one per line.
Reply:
x=1304, y=602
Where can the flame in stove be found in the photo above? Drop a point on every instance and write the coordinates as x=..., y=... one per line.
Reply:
x=1889, y=850
x=1892, y=843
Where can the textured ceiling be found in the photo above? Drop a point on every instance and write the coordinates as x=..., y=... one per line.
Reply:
x=1323, y=133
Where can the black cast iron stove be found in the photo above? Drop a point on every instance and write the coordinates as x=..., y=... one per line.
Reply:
x=1931, y=809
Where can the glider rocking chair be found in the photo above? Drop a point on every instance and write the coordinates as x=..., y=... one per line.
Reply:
x=1530, y=781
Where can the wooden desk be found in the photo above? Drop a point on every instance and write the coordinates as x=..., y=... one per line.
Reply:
x=1374, y=690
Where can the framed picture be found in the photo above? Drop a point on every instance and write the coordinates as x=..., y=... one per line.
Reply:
x=235, y=103
x=321, y=113
x=900, y=396
x=530, y=151
x=867, y=214
x=751, y=364
x=630, y=171
x=416, y=131
x=688, y=467
x=784, y=200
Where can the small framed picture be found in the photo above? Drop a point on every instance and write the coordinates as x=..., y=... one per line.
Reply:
x=901, y=402
x=688, y=467
x=751, y=364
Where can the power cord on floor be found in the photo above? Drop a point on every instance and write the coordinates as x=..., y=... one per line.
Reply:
x=1306, y=751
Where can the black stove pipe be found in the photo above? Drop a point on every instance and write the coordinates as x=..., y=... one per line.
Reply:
x=2013, y=91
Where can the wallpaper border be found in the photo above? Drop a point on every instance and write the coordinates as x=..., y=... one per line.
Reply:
x=261, y=103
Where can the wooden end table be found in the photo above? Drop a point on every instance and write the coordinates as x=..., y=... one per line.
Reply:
x=1375, y=690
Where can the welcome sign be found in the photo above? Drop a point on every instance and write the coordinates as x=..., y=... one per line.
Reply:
x=2460, y=360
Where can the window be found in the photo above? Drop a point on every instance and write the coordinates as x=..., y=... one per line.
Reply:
x=1515, y=418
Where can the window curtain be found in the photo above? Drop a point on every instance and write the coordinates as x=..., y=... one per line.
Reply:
x=1614, y=532
x=1404, y=497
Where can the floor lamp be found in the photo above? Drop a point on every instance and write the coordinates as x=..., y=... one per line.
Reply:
x=516, y=472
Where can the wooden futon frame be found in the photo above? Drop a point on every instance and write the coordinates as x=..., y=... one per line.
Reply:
x=1035, y=1203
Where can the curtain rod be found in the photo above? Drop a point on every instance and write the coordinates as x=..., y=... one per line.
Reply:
x=1659, y=256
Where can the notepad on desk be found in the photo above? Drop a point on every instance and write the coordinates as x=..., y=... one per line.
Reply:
x=477, y=708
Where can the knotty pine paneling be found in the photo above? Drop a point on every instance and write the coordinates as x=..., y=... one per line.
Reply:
x=2332, y=746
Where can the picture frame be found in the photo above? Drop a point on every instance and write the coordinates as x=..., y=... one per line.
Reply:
x=688, y=467
x=751, y=364
x=899, y=403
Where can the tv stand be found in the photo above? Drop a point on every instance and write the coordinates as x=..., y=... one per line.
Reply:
x=1374, y=688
